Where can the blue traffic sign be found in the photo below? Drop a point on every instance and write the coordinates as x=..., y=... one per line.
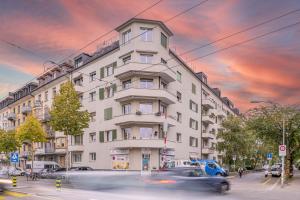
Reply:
x=269, y=156
x=14, y=157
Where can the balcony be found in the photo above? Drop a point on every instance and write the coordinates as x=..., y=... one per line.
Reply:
x=208, y=150
x=11, y=116
x=50, y=133
x=143, y=93
x=37, y=104
x=142, y=143
x=75, y=147
x=207, y=119
x=140, y=69
x=26, y=110
x=44, y=117
x=79, y=88
x=208, y=135
x=143, y=119
x=207, y=103
x=221, y=113
x=10, y=128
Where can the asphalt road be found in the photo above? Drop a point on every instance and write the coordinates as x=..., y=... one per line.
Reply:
x=253, y=186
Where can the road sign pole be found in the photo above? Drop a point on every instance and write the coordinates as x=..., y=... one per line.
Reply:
x=283, y=142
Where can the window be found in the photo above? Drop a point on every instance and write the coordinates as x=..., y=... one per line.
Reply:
x=146, y=58
x=193, y=88
x=178, y=96
x=78, y=139
x=146, y=34
x=93, y=116
x=19, y=109
x=163, y=85
x=78, y=62
x=163, y=61
x=80, y=97
x=162, y=108
x=109, y=92
x=178, y=137
x=146, y=83
x=126, y=59
x=92, y=76
x=46, y=96
x=126, y=36
x=193, y=124
x=92, y=137
x=76, y=157
x=60, y=143
x=126, y=109
x=179, y=117
x=111, y=135
x=54, y=92
x=92, y=96
x=78, y=81
x=40, y=98
x=109, y=70
x=179, y=76
x=193, y=106
x=126, y=133
x=145, y=133
x=193, y=142
x=126, y=84
x=107, y=113
x=163, y=40
x=92, y=156
x=146, y=108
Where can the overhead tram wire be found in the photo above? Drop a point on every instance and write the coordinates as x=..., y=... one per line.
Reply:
x=222, y=49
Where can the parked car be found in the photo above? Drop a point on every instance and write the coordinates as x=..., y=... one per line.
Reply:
x=276, y=170
x=16, y=171
x=82, y=168
x=40, y=165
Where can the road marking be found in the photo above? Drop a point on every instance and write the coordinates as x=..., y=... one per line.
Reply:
x=274, y=185
x=267, y=181
x=15, y=194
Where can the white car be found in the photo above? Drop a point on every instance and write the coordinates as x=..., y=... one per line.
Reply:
x=16, y=172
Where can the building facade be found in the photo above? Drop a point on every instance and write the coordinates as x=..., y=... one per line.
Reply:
x=146, y=105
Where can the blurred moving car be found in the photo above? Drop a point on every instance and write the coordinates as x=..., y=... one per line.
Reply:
x=83, y=168
x=52, y=173
x=4, y=182
x=16, y=171
x=211, y=167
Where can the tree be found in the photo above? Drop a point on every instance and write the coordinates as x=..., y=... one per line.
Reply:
x=30, y=132
x=8, y=142
x=268, y=123
x=66, y=115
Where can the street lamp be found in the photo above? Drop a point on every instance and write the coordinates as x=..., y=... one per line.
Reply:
x=283, y=136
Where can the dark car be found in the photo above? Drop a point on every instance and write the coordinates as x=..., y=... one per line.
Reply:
x=83, y=168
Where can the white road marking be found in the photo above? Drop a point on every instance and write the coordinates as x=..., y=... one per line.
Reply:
x=274, y=185
x=267, y=181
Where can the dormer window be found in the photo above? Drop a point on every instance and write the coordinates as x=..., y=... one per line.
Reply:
x=78, y=62
x=126, y=36
x=146, y=34
x=163, y=40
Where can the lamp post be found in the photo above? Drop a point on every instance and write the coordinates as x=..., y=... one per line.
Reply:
x=283, y=138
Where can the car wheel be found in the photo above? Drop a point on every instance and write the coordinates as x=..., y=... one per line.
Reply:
x=223, y=188
x=218, y=174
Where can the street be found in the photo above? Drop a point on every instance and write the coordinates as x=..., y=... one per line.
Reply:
x=251, y=186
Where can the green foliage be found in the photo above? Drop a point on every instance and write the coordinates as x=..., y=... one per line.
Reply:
x=8, y=142
x=31, y=131
x=65, y=113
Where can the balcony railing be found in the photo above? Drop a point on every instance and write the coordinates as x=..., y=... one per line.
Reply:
x=208, y=103
x=11, y=116
x=26, y=109
x=142, y=143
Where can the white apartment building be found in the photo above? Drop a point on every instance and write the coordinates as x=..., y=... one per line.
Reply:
x=135, y=89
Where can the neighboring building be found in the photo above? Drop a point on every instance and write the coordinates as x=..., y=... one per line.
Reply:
x=134, y=89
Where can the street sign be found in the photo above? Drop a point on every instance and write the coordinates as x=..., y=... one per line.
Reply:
x=282, y=150
x=14, y=157
x=269, y=156
x=234, y=157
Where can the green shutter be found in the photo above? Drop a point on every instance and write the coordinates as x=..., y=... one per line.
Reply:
x=196, y=108
x=190, y=104
x=101, y=93
x=114, y=134
x=102, y=73
x=191, y=141
x=114, y=66
x=193, y=88
x=196, y=125
x=101, y=136
x=197, y=142
x=108, y=114
x=190, y=122
x=114, y=86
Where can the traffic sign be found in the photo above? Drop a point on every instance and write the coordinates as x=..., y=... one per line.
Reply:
x=282, y=150
x=14, y=157
x=269, y=156
x=234, y=157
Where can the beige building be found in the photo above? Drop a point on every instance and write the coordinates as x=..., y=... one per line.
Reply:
x=147, y=106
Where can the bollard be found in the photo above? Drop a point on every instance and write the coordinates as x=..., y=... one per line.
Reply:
x=58, y=184
x=14, y=181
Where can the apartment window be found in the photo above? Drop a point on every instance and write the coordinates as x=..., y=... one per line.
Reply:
x=126, y=36
x=193, y=106
x=40, y=98
x=29, y=103
x=78, y=62
x=193, y=124
x=163, y=61
x=146, y=58
x=179, y=117
x=93, y=116
x=178, y=137
x=193, y=142
x=163, y=85
x=126, y=59
x=146, y=34
x=92, y=96
x=109, y=92
x=92, y=76
x=76, y=157
x=126, y=109
x=163, y=40
x=146, y=108
x=46, y=96
x=111, y=135
x=193, y=88
x=162, y=108
x=178, y=96
x=109, y=70
x=54, y=92
x=80, y=97
x=92, y=156
x=126, y=133
x=78, y=139
x=146, y=83
x=179, y=76
x=78, y=81
x=126, y=84
x=92, y=137
x=146, y=133
x=107, y=113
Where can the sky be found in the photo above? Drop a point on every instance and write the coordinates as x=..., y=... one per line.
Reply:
x=34, y=32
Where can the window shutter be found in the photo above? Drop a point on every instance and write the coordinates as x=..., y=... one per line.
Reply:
x=196, y=108
x=101, y=136
x=102, y=73
x=114, y=134
x=114, y=66
x=193, y=88
x=191, y=141
x=114, y=86
x=190, y=122
x=190, y=104
x=101, y=93
x=108, y=114
x=197, y=142
x=196, y=125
